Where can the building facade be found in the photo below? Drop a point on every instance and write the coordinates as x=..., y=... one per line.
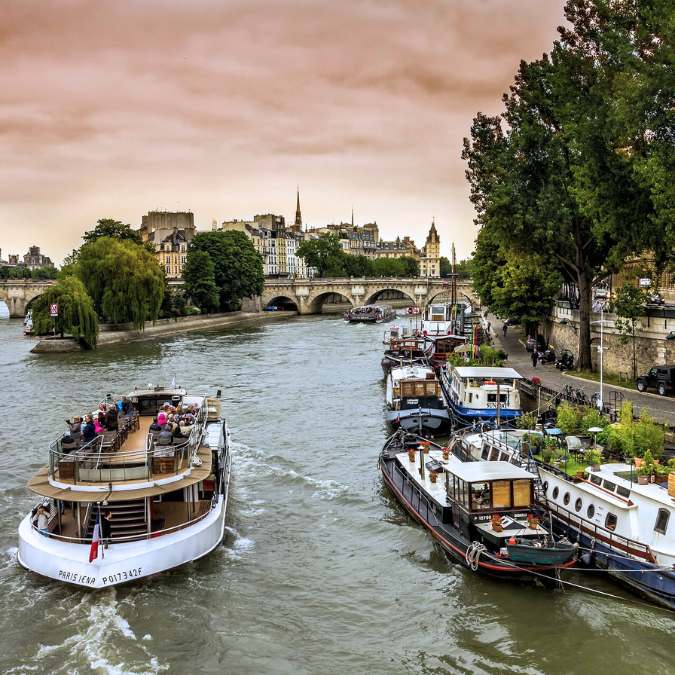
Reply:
x=170, y=234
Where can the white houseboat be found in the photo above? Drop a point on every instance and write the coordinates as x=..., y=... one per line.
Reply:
x=163, y=497
x=414, y=399
x=481, y=393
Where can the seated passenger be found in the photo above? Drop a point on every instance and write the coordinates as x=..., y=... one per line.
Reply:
x=88, y=430
x=161, y=418
x=177, y=431
x=111, y=418
x=165, y=436
x=155, y=426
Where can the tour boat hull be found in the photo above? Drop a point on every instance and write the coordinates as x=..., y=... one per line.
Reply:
x=120, y=562
x=454, y=544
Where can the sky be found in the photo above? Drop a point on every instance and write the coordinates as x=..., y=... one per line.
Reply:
x=112, y=109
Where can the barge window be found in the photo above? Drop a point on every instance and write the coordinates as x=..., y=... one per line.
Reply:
x=662, y=521
x=596, y=480
x=480, y=496
x=484, y=454
x=494, y=453
x=590, y=511
x=621, y=490
x=555, y=492
x=521, y=493
x=578, y=504
x=501, y=494
x=566, y=499
x=610, y=522
x=608, y=485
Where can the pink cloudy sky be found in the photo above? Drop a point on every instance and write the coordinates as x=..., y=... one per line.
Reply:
x=110, y=109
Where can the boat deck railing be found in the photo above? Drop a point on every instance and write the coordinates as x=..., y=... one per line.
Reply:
x=92, y=464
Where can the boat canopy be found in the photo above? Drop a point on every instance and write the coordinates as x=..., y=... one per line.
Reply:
x=487, y=372
x=474, y=472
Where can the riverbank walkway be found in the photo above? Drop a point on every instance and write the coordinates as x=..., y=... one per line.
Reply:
x=661, y=408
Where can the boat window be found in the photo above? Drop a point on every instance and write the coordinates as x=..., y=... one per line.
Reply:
x=555, y=492
x=492, y=398
x=566, y=499
x=480, y=496
x=470, y=397
x=577, y=504
x=521, y=493
x=545, y=486
x=610, y=522
x=596, y=480
x=484, y=454
x=590, y=511
x=501, y=494
x=662, y=521
x=621, y=490
x=608, y=485
x=494, y=453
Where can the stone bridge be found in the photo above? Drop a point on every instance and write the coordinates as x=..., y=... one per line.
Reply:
x=308, y=295
x=18, y=293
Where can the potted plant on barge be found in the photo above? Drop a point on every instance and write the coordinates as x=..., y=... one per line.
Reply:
x=593, y=456
x=647, y=468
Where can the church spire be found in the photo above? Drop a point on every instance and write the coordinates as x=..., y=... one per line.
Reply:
x=298, y=214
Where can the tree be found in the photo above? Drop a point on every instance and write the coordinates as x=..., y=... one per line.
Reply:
x=445, y=267
x=357, y=265
x=49, y=272
x=114, y=229
x=629, y=307
x=123, y=279
x=325, y=254
x=388, y=267
x=549, y=175
x=411, y=268
x=200, y=280
x=76, y=311
x=238, y=267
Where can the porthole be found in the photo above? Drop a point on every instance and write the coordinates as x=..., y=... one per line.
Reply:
x=566, y=499
x=555, y=492
x=577, y=504
x=545, y=486
x=590, y=511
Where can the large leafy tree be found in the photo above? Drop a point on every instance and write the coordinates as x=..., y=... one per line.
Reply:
x=76, y=315
x=550, y=176
x=325, y=254
x=238, y=268
x=115, y=229
x=123, y=279
x=200, y=280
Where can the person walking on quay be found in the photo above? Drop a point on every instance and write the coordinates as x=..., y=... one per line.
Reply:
x=535, y=358
x=505, y=327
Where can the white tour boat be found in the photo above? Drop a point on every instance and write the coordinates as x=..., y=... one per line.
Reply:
x=164, y=503
x=481, y=392
x=414, y=399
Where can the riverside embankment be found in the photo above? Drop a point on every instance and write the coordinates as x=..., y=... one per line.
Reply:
x=119, y=334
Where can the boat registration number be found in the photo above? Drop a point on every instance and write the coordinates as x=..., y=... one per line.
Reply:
x=413, y=401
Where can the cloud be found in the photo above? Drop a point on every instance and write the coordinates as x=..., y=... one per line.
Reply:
x=114, y=108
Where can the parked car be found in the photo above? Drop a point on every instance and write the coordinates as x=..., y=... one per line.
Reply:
x=660, y=378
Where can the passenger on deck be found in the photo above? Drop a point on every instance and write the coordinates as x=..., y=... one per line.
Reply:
x=106, y=527
x=177, y=431
x=99, y=423
x=75, y=426
x=155, y=426
x=88, y=430
x=161, y=418
x=42, y=520
x=127, y=408
x=111, y=418
x=165, y=436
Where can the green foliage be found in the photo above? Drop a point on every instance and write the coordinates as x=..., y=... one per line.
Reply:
x=173, y=303
x=200, y=280
x=629, y=306
x=592, y=418
x=527, y=421
x=237, y=266
x=633, y=438
x=114, y=229
x=445, y=267
x=123, y=279
x=323, y=254
x=356, y=265
x=76, y=311
x=23, y=272
x=489, y=356
x=568, y=419
x=593, y=456
x=570, y=171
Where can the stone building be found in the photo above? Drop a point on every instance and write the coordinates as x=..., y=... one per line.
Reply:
x=34, y=259
x=170, y=233
x=430, y=258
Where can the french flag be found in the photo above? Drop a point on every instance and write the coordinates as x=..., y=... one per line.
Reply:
x=93, y=551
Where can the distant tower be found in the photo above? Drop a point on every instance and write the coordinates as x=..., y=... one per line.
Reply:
x=432, y=247
x=297, y=226
x=352, y=217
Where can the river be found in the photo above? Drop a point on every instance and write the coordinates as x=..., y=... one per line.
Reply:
x=321, y=571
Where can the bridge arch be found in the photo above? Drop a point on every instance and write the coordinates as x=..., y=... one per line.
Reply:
x=374, y=296
x=316, y=301
x=282, y=302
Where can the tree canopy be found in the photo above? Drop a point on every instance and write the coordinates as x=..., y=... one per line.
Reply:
x=77, y=316
x=114, y=229
x=200, y=281
x=324, y=254
x=559, y=174
x=123, y=279
x=237, y=266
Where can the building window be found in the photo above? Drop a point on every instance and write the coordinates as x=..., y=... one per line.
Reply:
x=662, y=521
x=610, y=522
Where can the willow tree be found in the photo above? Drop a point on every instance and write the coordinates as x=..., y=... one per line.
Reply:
x=123, y=279
x=552, y=175
x=76, y=314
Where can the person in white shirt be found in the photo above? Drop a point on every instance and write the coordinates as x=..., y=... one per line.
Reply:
x=42, y=520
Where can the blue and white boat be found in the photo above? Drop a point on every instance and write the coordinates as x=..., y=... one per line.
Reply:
x=481, y=392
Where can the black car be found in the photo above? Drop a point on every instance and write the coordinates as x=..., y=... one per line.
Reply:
x=661, y=378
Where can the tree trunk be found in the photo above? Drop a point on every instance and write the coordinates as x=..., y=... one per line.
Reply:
x=584, y=361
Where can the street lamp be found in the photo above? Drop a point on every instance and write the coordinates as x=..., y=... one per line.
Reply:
x=600, y=299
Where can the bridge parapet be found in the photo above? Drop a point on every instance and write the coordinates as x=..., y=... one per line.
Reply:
x=18, y=293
